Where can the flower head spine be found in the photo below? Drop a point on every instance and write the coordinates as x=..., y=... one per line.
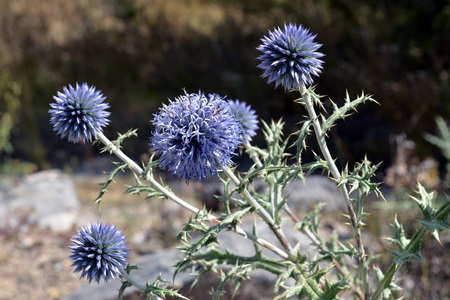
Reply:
x=98, y=252
x=79, y=113
x=246, y=117
x=290, y=57
x=195, y=135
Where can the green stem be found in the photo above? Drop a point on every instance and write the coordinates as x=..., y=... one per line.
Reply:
x=254, y=157
x=320, y=136
x=227, y=258
x=148, y=177
x=337, y=265
x=132, y=280
x=260, y=211
x=135, y=167
x=311, y=288
x=260, y=165
x=389, y=275
x=252, y=201
x=387, y=279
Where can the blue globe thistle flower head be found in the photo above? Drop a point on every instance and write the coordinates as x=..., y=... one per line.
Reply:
x=290, y=57
x=195, y=135
x=79, y=113
x=98, y=252
x=247, y=117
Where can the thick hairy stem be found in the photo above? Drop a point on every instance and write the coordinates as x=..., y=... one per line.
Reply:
x=136, y=283
x=132, y=280
x=254, y=157
x=260, y=211
x=342, y=188
x=169, y=195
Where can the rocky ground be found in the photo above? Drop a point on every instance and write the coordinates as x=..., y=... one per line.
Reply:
x=34, y=261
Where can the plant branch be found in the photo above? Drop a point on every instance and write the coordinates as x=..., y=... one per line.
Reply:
x=132, y=280
x=387, y=279
x=342, y=188
x=148, y=177
x=260, y=211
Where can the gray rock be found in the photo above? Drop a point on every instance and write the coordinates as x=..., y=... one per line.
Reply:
x=304, y=194
x=47, y=199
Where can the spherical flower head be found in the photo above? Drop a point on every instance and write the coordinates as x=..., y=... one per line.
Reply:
x=79, y=113
x=246, y=117
x=195, y=135
x=290, y=57
x=98, y=252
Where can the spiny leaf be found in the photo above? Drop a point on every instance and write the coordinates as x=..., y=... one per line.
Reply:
x=387, y=290
x=140, y=188
x=443, y=140
x=118, y=142
x=286, y=273
x=122, y=137
x=399, y=235
x=300, y=143
x=151, y=165
x=320, y=272
x=289, y=291
x=209, y=234
x=434, y=221
x=441, y=219
x=273, y=134
x=160, y=289
x=232, y=219
x=424, y=201
x=252, y=150
x=237, y=273
x=317, y=164
x=408, y=248
x=125, y=283
x=360, y=178
x=316, y=98
x=332, y=289
x=111, y=175
x=344, y=111
x=311, y=220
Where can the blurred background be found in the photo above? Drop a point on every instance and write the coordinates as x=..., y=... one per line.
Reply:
x=142, y=52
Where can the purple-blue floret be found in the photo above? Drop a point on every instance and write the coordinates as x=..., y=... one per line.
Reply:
x=79, y=113
x=98, y=252
x=195, y=135
x=290, y=57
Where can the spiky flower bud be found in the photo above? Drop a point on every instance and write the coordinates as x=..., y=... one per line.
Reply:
x=98, y=252
x=79, y=113
x=290, y=57
x=247, y=117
